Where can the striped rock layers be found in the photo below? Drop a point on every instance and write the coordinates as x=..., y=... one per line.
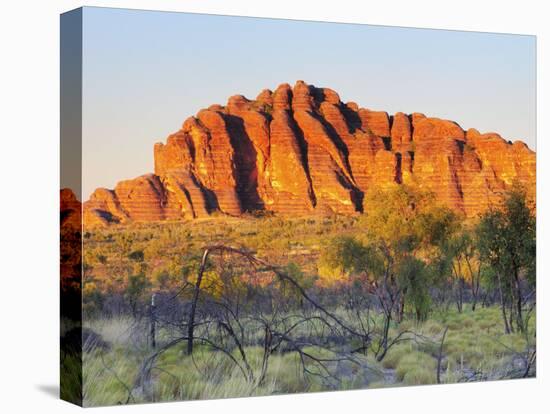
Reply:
x=300, y=150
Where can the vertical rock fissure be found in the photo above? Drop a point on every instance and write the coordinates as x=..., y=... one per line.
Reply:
x=302, y=144
x=398, y=169
x=245, y=164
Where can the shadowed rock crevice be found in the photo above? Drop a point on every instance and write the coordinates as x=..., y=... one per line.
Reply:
x=303, y=146
x=245, y=164
x=353, y=121
x=211, y=201
x=398, y=168
x=339, y=144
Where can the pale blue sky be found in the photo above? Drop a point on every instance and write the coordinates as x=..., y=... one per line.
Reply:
x=145, y=72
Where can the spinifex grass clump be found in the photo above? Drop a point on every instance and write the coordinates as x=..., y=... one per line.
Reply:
x=469, y=349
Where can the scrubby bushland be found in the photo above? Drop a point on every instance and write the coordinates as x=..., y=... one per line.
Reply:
x=409, y=293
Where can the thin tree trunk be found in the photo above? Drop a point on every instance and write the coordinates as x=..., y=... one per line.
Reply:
x=384, y=346
x=511, y=315
x=191, y=327
x=440, y=355
x=401, y=308
x=519, y=302
x=474, y=283
x=503, y=305
x=460, y=287
x=460, y=294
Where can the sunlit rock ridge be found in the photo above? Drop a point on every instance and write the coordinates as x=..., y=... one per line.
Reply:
x=300, y=150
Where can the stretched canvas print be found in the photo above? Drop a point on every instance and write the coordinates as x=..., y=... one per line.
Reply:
x=258, y=206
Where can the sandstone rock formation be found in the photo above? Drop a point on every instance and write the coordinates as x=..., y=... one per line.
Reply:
x=70, y=210
x=301, y=150
x=71, y=244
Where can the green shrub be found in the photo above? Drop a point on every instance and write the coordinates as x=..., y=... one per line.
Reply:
x=284, y=372
x=430, y=347
x=467, y=322
x=419, y=376
x=432, y=327
x=515, y=342
x=395, y=354
x=455, y=346
x=413, y=361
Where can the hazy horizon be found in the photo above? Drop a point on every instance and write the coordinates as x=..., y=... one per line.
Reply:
x=145, y=72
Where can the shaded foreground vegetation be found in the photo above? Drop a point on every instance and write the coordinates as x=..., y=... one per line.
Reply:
x=475, y=349
x=409, y=294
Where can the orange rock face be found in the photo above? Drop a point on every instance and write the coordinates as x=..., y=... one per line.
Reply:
x=300, y=150
x=401, y=133
x=70, y=210
x=71, y=242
